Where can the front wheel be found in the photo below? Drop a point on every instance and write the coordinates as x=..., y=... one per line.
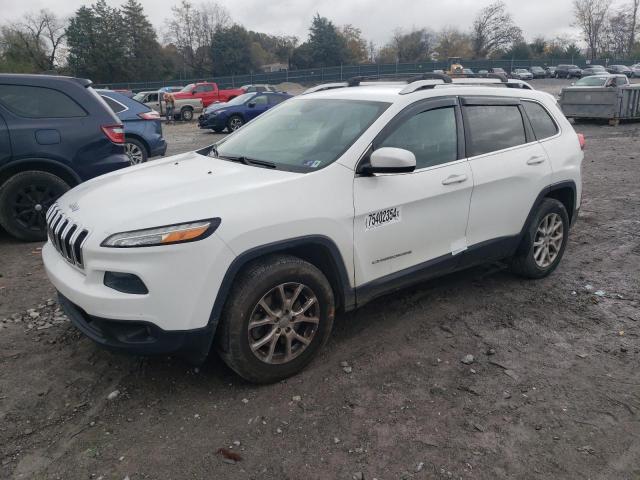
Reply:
x=234, y=123
x=279, y=314
x=544, y=241
x=24, y=201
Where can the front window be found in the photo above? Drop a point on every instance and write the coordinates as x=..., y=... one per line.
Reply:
x=241, y=99
x=189, y=88
x=302, y=135
x=139, y=97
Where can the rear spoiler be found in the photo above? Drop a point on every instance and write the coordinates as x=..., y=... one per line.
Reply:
x=85, y=82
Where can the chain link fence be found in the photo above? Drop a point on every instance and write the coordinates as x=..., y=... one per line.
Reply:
x=343, y=72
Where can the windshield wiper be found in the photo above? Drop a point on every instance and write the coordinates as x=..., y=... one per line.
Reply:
x=248, y=161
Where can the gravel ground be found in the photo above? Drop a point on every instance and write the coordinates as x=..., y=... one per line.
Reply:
x=551, y=390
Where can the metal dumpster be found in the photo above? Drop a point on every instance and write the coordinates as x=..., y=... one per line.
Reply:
x=613, y=103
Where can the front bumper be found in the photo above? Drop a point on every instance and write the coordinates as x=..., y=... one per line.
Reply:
x=140, y=338
x=182, y=281
x=211, y=121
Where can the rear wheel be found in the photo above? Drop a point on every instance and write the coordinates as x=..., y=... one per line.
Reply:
x=186, y=114
x=136, y=151
x=544, y=242
x=24, y=200
x=279, y=314
x=234, y=123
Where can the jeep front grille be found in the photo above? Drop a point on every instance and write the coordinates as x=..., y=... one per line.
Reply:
x=66, y=236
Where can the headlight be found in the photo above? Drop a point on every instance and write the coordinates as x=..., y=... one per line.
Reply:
x=167, y=235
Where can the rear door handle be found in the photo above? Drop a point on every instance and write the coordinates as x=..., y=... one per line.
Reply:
x=452, y=179
x=535, y=160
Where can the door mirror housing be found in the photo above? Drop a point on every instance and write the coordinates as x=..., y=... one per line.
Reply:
x=389, y=160
x=251, y=104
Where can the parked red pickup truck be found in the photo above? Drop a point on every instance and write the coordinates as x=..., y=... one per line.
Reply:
x=208, y=92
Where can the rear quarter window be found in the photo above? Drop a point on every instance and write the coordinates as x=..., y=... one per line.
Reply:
x=39, y=102
x=117, y=107
x=543, y=125
x=493, y=127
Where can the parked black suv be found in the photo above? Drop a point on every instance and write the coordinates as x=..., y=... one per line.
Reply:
x=568, y=71
x=55, y=132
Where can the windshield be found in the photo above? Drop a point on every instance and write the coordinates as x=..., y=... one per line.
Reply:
x=591, y=82
x=188, y=88
x=139, y=96
x=302, y=135
x=241, y=99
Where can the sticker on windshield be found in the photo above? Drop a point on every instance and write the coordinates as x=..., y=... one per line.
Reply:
x=312, y=163
x=382, y=217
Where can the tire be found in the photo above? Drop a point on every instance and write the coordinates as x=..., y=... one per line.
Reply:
x=525, y=263
x=259, y=284
x=186, y=114
x=24, y=200
x=136, y=151
x=234, y=123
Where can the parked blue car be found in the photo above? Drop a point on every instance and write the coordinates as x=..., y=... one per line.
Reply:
x=55, y=132
x=142, y=127
x=235, y=113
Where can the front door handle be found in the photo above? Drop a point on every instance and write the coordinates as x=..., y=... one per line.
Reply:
x=535, y=160
x=452, y=179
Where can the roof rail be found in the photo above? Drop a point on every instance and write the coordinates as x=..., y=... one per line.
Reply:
x=325, y=86
x=430, y=76
x=421, y=85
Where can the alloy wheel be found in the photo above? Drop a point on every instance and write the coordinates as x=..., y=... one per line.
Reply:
x=235, y=124
x=134, y=152
x=30, y=205
x=548, y=240
x=283, y=323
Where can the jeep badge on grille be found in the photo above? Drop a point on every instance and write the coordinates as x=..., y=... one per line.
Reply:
x=74, y=206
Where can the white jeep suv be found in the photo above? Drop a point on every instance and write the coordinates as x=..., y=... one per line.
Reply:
x=325, y=202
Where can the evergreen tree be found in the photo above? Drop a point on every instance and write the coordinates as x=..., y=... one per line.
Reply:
x=141, y=48
x=231, y=51
x=328, y=47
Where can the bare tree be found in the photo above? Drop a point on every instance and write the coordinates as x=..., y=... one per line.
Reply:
x=616, y=34
x=635, y=4
x=453, y=43
x=591, y=18
x=41, y=36
x=493, y=29
x=191, y=30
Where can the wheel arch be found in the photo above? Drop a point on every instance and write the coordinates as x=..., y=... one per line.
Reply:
x=563, y=192
x=140, y=139
x=54, y=167
x=318, y=250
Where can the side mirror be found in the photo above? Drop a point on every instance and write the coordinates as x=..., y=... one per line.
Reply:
x=389, y=160
x=251, y=105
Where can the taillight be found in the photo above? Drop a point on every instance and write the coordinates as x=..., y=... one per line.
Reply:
x=115, y=133
x=581, y=140
x=152, y=115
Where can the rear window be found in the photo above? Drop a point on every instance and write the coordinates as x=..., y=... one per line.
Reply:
x=117, y=107
x=39, y=102
x=541, y=122
x=493, y=127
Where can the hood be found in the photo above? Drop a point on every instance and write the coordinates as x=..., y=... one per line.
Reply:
x=214, y=107
x=177, y=189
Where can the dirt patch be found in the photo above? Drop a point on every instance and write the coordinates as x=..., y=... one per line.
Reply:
x=553, y=390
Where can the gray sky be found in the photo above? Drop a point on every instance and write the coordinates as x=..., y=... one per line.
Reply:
x=376, y=18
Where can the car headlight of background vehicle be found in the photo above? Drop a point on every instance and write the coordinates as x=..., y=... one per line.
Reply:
x=166, y=235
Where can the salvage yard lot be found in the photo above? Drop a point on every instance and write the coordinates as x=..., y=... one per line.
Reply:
x=553, y=390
